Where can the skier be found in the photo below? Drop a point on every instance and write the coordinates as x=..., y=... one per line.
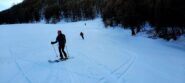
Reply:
x=61, y=42
x=82, y=35
x=85, y=24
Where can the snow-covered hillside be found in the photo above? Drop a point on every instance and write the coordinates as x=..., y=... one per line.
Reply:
x=107, y=55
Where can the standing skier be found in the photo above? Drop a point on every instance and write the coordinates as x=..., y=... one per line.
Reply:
x=82, y=35
x=61, y=39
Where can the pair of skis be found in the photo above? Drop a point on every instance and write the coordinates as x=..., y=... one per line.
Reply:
x=56, y=61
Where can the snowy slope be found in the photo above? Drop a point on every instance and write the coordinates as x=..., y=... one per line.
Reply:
x=105, y=56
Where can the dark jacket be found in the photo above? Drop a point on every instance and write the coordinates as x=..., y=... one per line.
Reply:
x=61, y=39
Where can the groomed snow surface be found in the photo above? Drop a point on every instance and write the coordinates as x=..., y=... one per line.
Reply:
x=107, y=55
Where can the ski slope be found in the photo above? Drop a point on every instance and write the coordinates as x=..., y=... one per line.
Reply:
x=107, y=55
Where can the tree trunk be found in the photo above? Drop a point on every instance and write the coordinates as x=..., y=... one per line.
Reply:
x=133, y=31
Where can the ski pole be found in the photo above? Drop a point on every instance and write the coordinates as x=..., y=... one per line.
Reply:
x=67, y=51
x=55, y=50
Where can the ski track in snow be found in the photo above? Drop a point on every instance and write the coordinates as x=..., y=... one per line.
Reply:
x=19, y=67
x=124, y=68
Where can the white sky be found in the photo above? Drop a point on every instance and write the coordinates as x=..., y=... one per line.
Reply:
x=5, y=4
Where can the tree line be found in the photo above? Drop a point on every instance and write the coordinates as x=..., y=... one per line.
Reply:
x=167, y=17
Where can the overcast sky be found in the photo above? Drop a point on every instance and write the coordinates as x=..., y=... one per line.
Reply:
x=5, y=4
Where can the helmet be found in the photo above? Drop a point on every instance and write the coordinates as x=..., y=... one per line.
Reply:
x=59, y=31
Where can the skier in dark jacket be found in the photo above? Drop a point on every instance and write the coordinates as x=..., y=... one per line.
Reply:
x=61, y=42
x=82, y=35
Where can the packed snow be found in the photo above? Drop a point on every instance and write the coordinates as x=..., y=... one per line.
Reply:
x=107, y=55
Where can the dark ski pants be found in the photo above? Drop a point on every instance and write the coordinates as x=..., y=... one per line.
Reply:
x=61, y=50
x=82, y=36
